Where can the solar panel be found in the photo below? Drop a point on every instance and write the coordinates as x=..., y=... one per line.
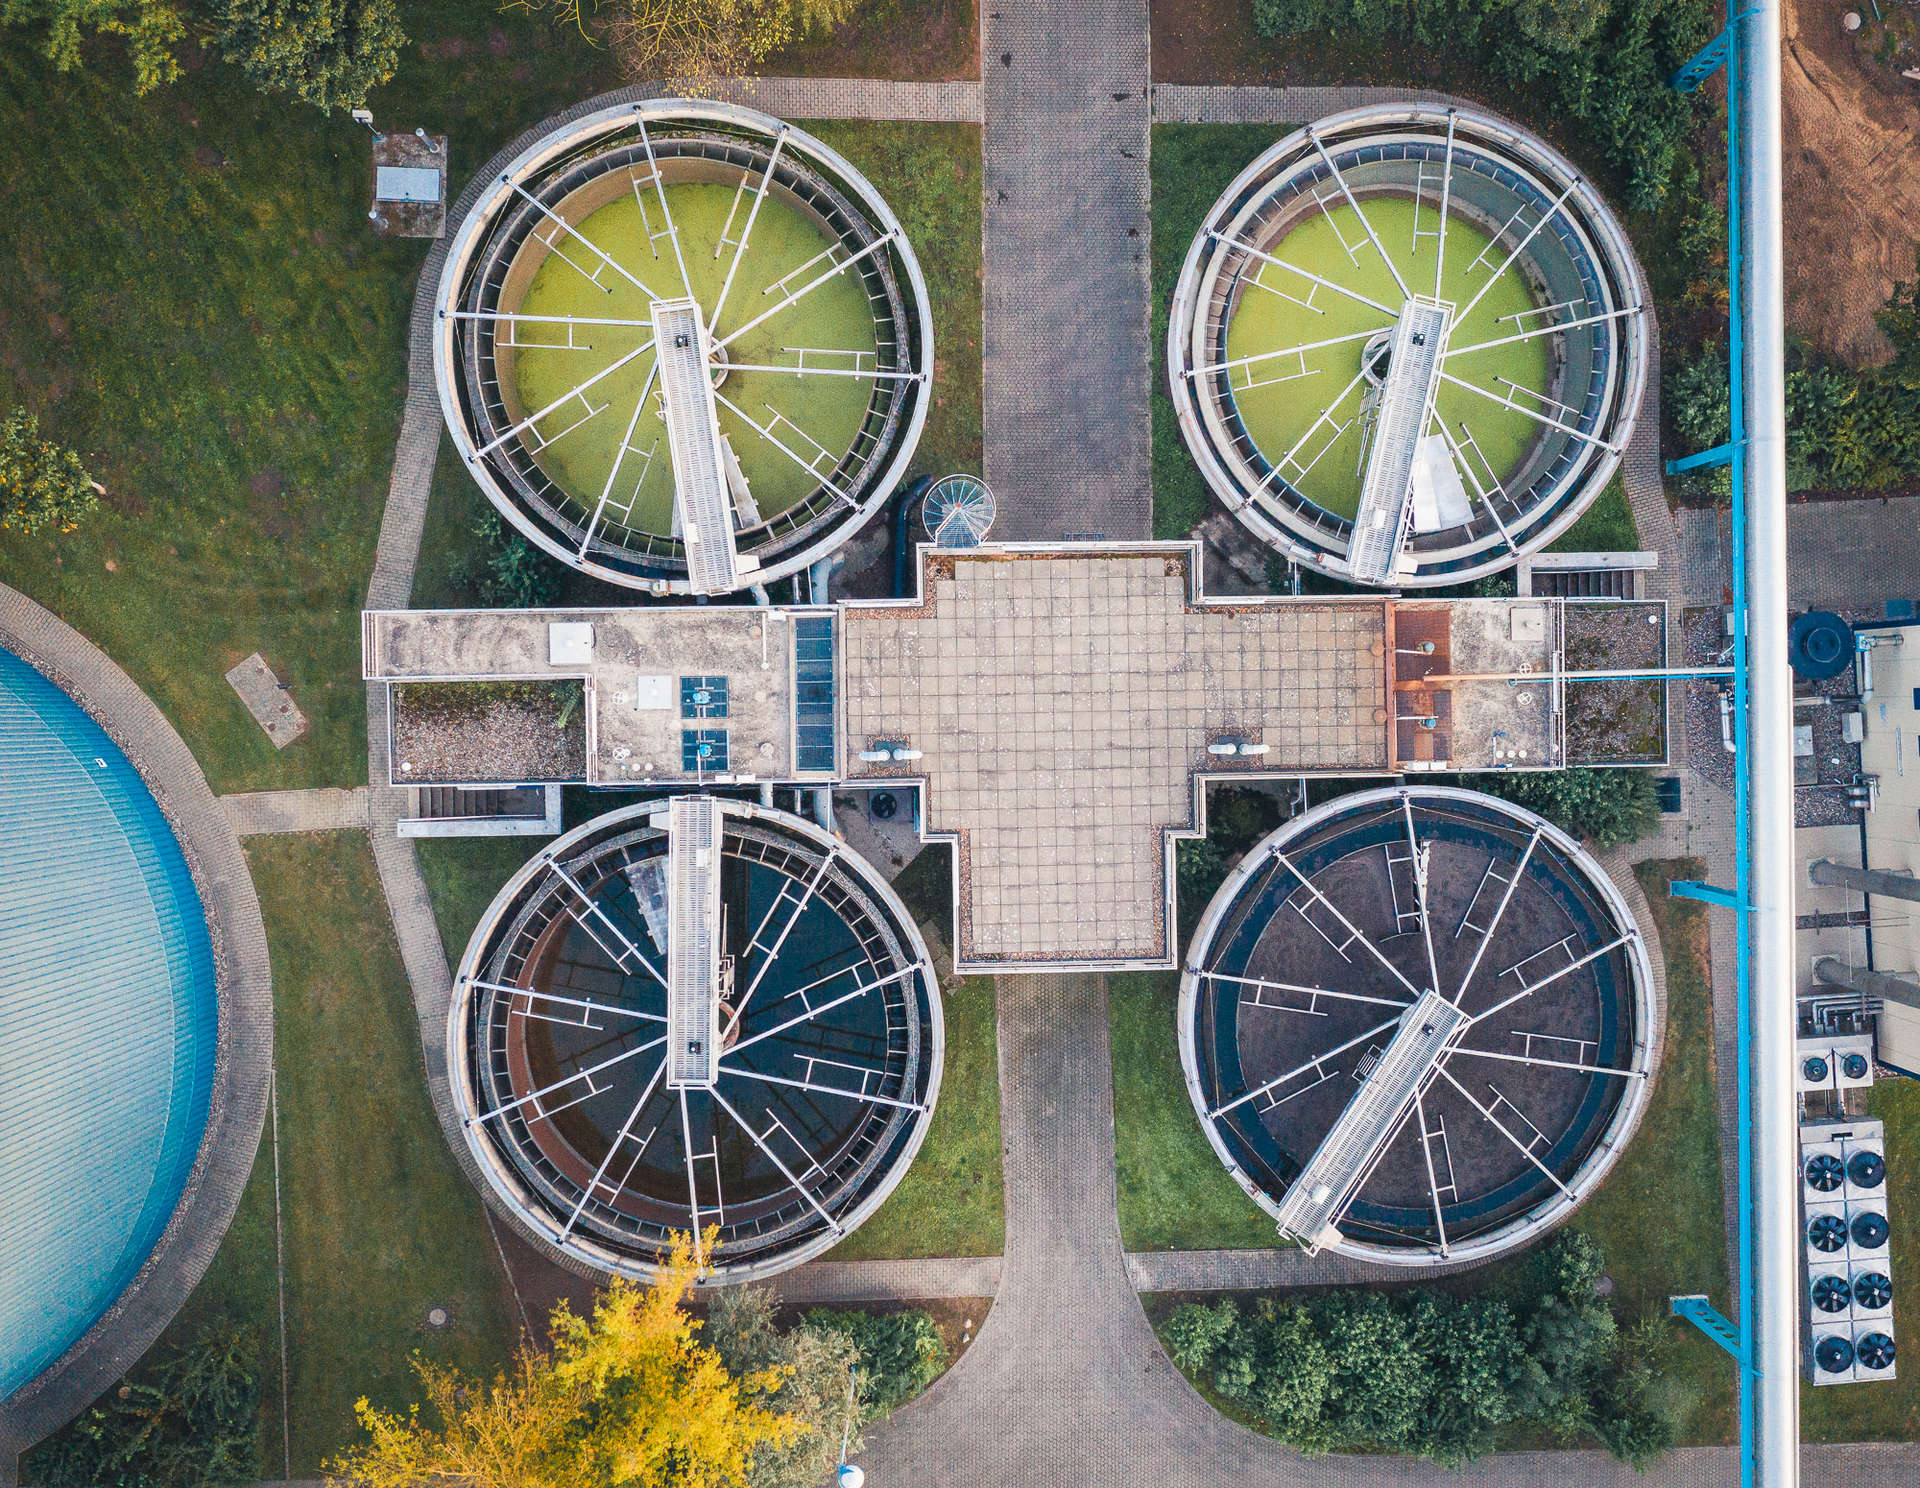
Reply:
x=703, y=697
x=813, y=694
x=703, y=749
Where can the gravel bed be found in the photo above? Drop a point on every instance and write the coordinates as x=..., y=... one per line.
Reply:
x=1615, y=722
x=479, y=733
x=1822, y=803
x=1704, y=641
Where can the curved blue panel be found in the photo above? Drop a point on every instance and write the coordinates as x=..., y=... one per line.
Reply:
x=109, y=1022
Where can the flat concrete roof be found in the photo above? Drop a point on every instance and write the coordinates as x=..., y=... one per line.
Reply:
x=1480, y=721
x=750, y=648
x=1063, y=702
x=1056, y=702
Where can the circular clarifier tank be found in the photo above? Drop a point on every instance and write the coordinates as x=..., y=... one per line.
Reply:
x=1478, y=257
x=109, y=1019
x=1416, y=1025
x=813, y=326
x=830, y=1047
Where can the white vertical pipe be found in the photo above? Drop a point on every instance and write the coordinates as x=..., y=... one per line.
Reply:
x=1776, y=1188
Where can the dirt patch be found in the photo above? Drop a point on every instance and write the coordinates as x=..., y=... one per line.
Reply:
x=1851, y=130
x=917, y=41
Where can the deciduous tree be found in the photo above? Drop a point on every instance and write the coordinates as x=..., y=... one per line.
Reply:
x=329, y=53
x=42, y=484
x=627, y=1398
x=150, y=29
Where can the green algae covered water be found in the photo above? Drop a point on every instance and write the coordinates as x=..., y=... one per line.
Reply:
x=804, y=424
x=1279, y=309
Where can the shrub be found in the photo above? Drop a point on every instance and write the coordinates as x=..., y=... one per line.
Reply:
x=1480, y=1361
x=1194, y=1334
x=900, y=1353
x=150, y=28
x=1847, y=428
x=1609, y=808
x=518, y=576
x=1291, y=1374
x=1381, y=1375
x=813, y=1372
x=1641, y=1404
x=193, y=1420
x=42, y=484
x=1427, y=1373
x=329, y=53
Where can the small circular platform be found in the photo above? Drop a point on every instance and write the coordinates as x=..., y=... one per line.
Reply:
x=1416, y=1024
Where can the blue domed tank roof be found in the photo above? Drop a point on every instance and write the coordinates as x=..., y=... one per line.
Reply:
x=109, y=1022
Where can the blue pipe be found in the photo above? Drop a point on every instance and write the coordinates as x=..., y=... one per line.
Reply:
x=1748, y=1320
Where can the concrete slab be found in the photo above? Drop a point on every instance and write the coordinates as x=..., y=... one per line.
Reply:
x=1840, y=844
x=1063, y=703
x=749, y=650
x=408, y=186
x=268, y=700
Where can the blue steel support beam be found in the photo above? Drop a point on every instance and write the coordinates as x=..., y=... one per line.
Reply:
x=1696, y=1309
x=1706, y=893
x=1720, y=454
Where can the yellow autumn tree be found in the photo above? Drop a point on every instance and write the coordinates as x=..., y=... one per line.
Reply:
x=628, y=1398
x=691, y=46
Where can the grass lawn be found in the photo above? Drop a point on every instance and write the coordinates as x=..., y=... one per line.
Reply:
x=1605, y=527
x=464, y=873
x=1661, y=1214
x=950, y=1203
x=197, y=304
x=1174, y=1193
x=380, y=1223
x=1192, y=164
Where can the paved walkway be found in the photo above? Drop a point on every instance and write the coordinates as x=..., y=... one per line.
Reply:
x=889, y=1281
x=1066, y=352
x=1187, y=103
x=244, y=978
x=269, y=813
x=857, y=98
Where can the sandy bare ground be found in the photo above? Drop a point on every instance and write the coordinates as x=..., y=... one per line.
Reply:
x=1852, y=184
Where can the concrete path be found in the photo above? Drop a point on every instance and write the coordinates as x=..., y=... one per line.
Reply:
x=268, y=813
x=889, y=1281
x=857, y=98
x=1187, y=103
x=1066, y=356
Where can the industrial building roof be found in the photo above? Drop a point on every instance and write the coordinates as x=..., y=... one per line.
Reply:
x=1063, y=706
